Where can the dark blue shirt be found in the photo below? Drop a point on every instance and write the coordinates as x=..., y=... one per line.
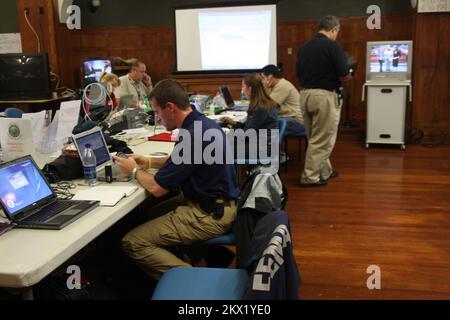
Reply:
x=199, y=181
x=321, y=63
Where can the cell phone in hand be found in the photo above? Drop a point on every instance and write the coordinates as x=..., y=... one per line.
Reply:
x=122, y=155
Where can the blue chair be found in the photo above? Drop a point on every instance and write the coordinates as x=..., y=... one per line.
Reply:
x=282, y=127
x=238, y=284
x=13, y=113
x=202, y=284
x=224, y=240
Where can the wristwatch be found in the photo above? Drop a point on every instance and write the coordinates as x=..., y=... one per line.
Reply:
x=134, y=172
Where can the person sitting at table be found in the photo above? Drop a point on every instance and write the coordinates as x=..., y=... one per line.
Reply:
x=104, y=110
x=137, y=83
x=111, y=81
x=287, y=96
x=262, y=112
x=209, y=190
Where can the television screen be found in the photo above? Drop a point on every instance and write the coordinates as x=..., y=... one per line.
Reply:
x=225, y=38
x=24, y=76
x=389, y=57
x=93, y=68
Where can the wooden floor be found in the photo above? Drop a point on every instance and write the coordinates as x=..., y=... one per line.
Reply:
x=388, y=208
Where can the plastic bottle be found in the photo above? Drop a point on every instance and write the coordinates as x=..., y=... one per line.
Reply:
x=146, y=105
x=89, y=165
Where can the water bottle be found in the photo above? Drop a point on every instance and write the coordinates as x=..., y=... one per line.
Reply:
x=147, y=108
x=89, y=165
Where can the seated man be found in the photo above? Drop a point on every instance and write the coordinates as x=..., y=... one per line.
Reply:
x=136, y=83
x=210, y=190
x=287, y=96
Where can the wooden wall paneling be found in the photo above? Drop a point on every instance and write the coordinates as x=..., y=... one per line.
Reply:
x=41, y=17
x=431, y=72
x=155, y=46
x=209, y=84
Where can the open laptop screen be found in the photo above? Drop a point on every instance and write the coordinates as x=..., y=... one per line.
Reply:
x=21, y=186
x=95, y=139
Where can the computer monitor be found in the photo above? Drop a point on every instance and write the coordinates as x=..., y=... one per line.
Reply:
x=24, y=76
x=22, y=186
x=389, y=61
x=93, y=68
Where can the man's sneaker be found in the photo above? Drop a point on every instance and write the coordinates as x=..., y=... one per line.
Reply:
x=333, y=175
x=319, y=183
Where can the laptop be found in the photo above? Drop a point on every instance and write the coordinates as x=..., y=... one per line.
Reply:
x=95, y=138
x=231, y=105
x=29, y=201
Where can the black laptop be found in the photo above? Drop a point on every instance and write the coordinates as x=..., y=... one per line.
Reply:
x=29, y=201
x=231, y=105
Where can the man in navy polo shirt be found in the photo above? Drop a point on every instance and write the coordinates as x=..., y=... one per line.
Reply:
x=321, y=67
x=210, y=190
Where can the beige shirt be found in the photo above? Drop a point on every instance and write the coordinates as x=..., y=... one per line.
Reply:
x=287, y=96
x=129, y=87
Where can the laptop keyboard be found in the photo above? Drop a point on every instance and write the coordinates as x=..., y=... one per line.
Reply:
x=50, y=211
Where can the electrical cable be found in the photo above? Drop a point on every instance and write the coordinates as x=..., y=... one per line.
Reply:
x=86, y=100
x=63, y=189
x=32, y=29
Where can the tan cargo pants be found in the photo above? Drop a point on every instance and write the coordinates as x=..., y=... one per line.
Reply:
x=321, y=111
x=146, y=244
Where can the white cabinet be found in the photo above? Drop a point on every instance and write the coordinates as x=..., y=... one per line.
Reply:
x=386, y=110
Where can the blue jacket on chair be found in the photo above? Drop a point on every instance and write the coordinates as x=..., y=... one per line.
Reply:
x=275, y=275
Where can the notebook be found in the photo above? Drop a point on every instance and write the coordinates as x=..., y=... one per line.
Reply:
x=107, y=195
x=29, y=201
x=166, y=136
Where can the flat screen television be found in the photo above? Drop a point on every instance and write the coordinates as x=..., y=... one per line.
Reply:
x=389, y=60
x=93, y=68
x=24, y=76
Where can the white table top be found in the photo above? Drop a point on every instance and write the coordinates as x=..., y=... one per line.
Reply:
x=27, y=255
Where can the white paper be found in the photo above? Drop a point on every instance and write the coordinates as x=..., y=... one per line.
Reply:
x=49, y=142
x=38, y=126
x=107, y=195
x=10, y=43
x=16, y=138
x=434, y=6
x=68, y=119
x=136, y=131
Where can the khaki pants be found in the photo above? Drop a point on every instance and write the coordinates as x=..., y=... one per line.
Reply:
x=321, y=110
x=146, y=244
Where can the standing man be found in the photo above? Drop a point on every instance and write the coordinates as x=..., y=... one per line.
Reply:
x=396, y=59
x=321, y=66
x=210, y=190
x=136, y=83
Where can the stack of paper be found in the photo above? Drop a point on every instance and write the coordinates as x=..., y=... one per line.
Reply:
x=107, y=195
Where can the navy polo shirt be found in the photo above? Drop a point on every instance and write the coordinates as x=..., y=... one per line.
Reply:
x=202, y=180
x=321, y=63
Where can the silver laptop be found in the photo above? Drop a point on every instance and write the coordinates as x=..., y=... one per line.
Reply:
x=30, y=202
x=95, y=138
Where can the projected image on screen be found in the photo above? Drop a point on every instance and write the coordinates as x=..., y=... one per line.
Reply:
x=234, y=40
x=226, y=38
x=389, y=58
